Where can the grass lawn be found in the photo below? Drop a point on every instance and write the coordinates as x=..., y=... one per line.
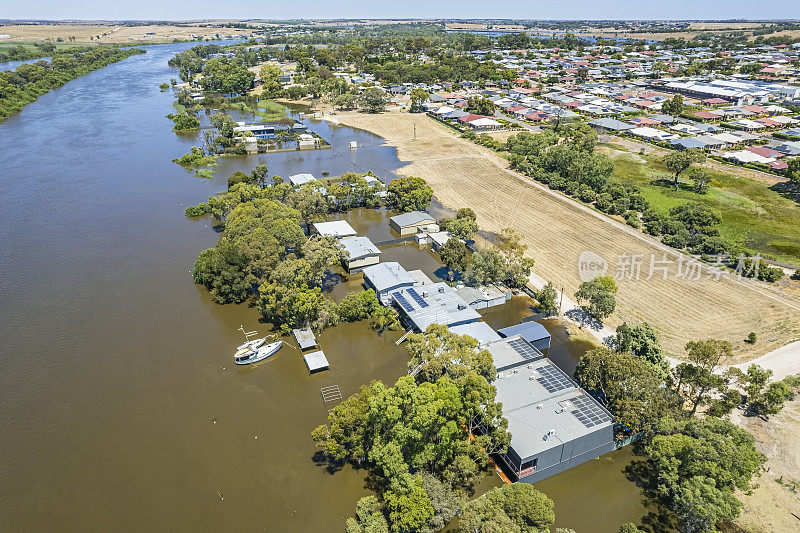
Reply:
x=753, y=214
x=270, y=110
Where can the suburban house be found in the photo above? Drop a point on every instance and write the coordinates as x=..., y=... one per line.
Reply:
x=410, y=223
x=339, y=229
x=384, y=278
x=483, y=297
x=360, y=253
x=301, y=179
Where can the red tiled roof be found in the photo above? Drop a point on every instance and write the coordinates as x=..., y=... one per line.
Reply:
x=470, y=117
x=707, y=115
x=763, y=151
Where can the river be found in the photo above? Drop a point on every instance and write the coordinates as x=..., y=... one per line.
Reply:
x=121, y=408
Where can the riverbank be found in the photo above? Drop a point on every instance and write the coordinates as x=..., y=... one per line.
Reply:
x=557, y=230
x=16, y=96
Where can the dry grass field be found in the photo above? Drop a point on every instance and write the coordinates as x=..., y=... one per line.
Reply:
x=775, y=505
x=110, y=33
x=558, y=229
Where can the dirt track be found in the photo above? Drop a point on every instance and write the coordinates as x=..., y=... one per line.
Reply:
x=558, y=229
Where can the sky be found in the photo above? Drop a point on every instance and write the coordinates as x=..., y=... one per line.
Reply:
x=283, y=9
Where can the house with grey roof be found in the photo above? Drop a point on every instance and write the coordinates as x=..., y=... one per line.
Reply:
x=384, y=278
x=610, y=124
x=360, y=253
x=554, y=424
x=339, y=229
x=436, y=303
x=411, y=222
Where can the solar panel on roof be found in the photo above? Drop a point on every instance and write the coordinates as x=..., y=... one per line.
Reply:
x=417, y=298
x=588, y=412
x=403, y=302
x=553, y=379
x=524, y=349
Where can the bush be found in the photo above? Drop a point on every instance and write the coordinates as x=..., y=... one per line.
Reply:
x=557, y=183
x=604, y=202
x=751, y=338
x=587, y=194
x=632, y=219
x=571, y=187
x=676, y=241
x=197, y=210
x=621, y=205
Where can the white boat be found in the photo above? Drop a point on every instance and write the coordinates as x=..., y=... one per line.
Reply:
x=246, y=357
x=251, y=345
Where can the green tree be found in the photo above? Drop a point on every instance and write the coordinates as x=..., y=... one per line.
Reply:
x=679, y=160
x=547, y=298
x=627, y=528
x=345, y=101
x=410, y=509
x=409, y=194
x=464, y=228
x=793, y=170
x=455, y=256
x=438, y=351
x=383, y=318
x=418, y=97
x=697, y=380
x=373, y=100
x=628, y=387
x=369, y=517
x=599, y=295
x=358, y=306
x=700, y=179
x=694, y=466
x=488, y=266
x=642, y=341
x=515, y=508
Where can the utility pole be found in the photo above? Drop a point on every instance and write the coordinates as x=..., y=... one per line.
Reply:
x=415, y=131
x=561, y=302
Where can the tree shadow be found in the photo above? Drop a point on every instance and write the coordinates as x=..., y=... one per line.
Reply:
x=328, y=463
x=658, y=518
x=788, y=189
x=668, y=183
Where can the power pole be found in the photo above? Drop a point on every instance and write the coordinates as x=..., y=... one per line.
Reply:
x=561, y=302
x=415, y=131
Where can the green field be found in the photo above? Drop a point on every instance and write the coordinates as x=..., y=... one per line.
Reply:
x=270, y=110
x=754, y=215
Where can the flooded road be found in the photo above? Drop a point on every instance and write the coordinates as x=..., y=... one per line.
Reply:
x=121, y=407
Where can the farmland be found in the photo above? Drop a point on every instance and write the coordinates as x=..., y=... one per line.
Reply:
x=557, y=230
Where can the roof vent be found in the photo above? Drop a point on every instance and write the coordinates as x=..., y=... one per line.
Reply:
x=539, y=406
x=551, y=432
x=425, y=294
x=441, y=289
x=461, y=307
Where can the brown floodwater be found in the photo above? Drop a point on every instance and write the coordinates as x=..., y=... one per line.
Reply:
x=121, y=408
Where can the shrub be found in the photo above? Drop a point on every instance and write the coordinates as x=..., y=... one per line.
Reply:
x=197, y=210
x=557, y=183
x=676, y=241
x=632, y=219
x=751, y=338
x=571, y=187
x=604, y=202
x=587, y=194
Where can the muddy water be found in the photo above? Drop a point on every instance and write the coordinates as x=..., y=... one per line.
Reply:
x=121, y=409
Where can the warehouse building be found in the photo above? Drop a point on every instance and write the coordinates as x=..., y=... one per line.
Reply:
x=554, y=424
